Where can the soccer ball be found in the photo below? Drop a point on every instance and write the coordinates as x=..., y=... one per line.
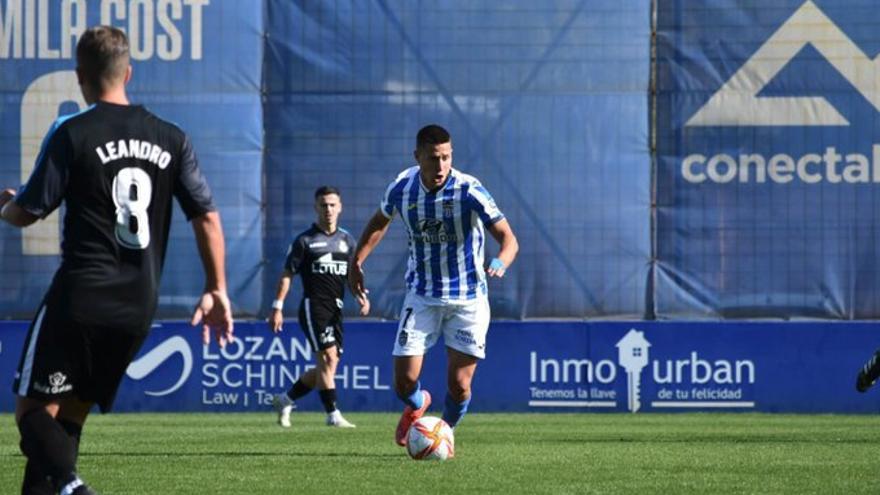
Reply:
x=430, y=438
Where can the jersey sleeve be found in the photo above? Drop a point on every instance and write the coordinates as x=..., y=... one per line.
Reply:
x=388, y=199
x=352, y=248
x=296, y=254
x=482, y=203
x=46, y=186
x=191, y=188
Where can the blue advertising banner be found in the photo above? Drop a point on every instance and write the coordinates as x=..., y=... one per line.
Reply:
x=536, y=366
x=767, y=129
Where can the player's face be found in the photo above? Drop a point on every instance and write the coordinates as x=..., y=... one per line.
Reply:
x=328, y=208
x=435, y=163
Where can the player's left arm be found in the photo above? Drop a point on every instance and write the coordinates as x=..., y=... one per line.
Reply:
x=214, y=311
x=502, y=233
x=13, y=214
x=484, y=206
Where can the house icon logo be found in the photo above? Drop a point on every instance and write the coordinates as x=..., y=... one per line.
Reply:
x=632, y=356
x=737, y=102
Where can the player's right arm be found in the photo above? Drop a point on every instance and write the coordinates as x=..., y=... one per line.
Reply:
x=373, y=234
x=276, y=317
x=13, y=214
x=45, y=188
x=293, y=264
x=370, y=238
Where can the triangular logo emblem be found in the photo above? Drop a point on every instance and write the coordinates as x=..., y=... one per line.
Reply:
x=737, y=103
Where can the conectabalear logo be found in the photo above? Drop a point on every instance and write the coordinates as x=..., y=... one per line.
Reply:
x=739, y=102
x=145, y=365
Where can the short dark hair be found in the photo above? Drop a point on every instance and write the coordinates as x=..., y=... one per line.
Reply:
x=432, y=135
x=325, y=190
x=102, y=55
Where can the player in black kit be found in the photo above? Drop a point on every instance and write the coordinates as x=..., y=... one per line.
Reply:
x=321, y=255
x=116, y=166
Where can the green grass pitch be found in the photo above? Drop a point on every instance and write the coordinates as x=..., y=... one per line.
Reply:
x=495, y=453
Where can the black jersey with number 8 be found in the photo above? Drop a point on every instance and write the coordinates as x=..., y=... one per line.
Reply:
x=116, y=168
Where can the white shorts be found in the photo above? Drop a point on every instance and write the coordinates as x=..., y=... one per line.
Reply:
x=463, y=324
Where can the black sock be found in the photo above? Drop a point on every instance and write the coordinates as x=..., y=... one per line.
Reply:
x=328, y=398
x=298, y=390
x=36, y=481
x=45, y=442
x=75, y=432
x=872, y=367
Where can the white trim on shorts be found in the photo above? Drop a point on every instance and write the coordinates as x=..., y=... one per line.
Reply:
x=313, y=338
x=28, y=365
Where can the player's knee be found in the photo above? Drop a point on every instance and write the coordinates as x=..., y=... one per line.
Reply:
x=405, y=379
x=330, y=359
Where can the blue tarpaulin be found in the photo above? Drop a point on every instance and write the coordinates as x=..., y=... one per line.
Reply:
x=546, y=103
x=740, y=184
x=767, y=160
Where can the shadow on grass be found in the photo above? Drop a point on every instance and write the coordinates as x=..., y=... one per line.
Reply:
x=696, y=439
x=236, y=453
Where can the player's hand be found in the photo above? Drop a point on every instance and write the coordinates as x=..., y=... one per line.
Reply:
x=275, y=320
x=364, y=302
x=356, y=282
x=214, y=312
x=6, y=196
x=496, y=268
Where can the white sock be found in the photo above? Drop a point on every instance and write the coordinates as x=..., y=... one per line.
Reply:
x=70, y=487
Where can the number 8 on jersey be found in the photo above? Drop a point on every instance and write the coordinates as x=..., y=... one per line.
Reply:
x=132, y=192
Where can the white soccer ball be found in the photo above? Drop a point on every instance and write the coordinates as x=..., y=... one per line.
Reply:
x=430, y=438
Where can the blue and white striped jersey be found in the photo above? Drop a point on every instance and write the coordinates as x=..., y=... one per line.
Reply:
x=446, y=236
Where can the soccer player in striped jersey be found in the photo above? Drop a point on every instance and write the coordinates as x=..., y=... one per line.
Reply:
x=445, y=212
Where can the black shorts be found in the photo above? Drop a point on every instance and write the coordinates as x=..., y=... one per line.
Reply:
x=321, y=321
x=62, y=358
